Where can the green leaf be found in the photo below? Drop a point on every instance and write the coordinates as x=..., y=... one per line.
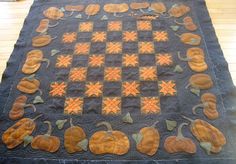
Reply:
x=38, y=100
x=194, y=41
x=54, y=52
x=62, y=9
x=104, y=17
x=60, y=123
x=31, y=77
x=206, y=146
x=79, y=16
x=171, y=125
x=195, y=91
x=127, y=118
x=83, y=144
x=178, y=69
x=174, y=28
x=137, y=137
x=27, y=140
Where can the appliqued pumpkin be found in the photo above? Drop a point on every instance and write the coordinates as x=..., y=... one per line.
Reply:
x=33, y=61
x=109, y=142
x=18, y=108
x=190, y=39
x=46, y=142
x=178, y=10
x=15, y=134
x=41, y=40
x=53, y=13
x=92, y=9
x=209, y=106
x=139, y=6
x=207, y=134
x=200, y=81
x=72, y=137
x=147, y=140
x=44, y=25
x=116, y=8
x=188, y=24
x=74, y=8
x=158, y=7
x=28, y=85
x=179, y=143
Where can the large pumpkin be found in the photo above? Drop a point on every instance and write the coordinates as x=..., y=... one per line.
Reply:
x=200, y=81
x=41, y=40
x=53, y=13
x=28, y=85
x=197, y=59
x=32, y=62
x=109, y=142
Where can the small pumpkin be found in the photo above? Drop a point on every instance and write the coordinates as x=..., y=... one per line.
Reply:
x=92, y=9
x=139, y=6
x=209, y=106
x=179, y=143
x=109, y=142
x=44, y=25
x=53, y=13
x=41, y=40
x=206, y=133
x=28, y=85
x=15, y=134
x=188, y=24
x=116, y=8
x=190, y=39
x=200, y=81
x=72, y=8
x=33, y=61
x=147, y=140
x=158, y=7
x=46, y=142
x=18, y=108
x=178, y=10
x=72, y=137
x=196, y=59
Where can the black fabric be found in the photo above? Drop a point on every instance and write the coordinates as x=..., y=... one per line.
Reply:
x=172, y=107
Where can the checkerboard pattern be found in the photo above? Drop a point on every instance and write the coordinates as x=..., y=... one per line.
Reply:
x=114, y=64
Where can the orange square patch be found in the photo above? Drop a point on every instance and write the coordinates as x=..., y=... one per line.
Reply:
x=130, y=60
x=96, y=60
x=130, y=88
x=160, y=36
x=58, y=89
x=82, y=48
x=93, y=89
x=113, y=47
x=111, y=106
x=144, y=25
x=63, y=61
x=69, y=37
x=99, y=36
x=86, y=27
x=78, y=74
x=114, y=26
x=148, y=73
x=164, y=59
x=112, y=74
x=150, y=105
x=167, y=88
x=130, y=36
x=146, y=47
x=73, y=106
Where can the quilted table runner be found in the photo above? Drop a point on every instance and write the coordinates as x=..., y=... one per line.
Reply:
x=142, y=81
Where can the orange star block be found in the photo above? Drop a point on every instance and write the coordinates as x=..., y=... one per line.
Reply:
x=130, y=88
x=148, y=73
x=144, y=25
x=114, y=26
x=129, y=36
x=86, y=26
x=93, y=89
x=78, y=74
x=99, y=37
x=150, y=105
x=167, y=88
x=111, y=106
x=69, y=37
x=130, y=60
x=63, y=61
x=58, y=89
x=113, y=47
x=164, y=59
x=73, y=106
x=96, y=60
x=112, y=74
x=82, y=48
x=160, y=36
x=146, y=47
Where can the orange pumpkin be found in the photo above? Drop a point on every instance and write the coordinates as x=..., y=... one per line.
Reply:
x=74, y=8
x=209, y=106
x=178, y=10
x=158, y=7
x=15, y=134
x=72, y=137
x=109, y=142
x=200, y=81
x=116, y=8
x=139, y=6
x=53, y=13
x=179, y=143
x=41, y=40
x=92, y=9
x=43, y=26
x=28, y=85
x=190, y=39
x=18, y=108
x=46, y=142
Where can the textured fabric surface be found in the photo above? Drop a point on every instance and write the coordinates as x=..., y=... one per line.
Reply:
x=173, y=104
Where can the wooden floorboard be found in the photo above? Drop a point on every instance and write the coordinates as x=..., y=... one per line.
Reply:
x=223, y=14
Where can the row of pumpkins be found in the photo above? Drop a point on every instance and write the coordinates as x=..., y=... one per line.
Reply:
x=114, y=141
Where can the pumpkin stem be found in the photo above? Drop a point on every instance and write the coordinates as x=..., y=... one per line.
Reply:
x=70, y=14
x=30, y=105
x=107, y=124
x=177, y=35
x=54, y=37
x=37, y=117
x=182, y=58
x=71, y=122
x=49, y=132
x=40, y=92
x=179, y=22
x=154, y=124
x=196, y=107
x=141, y=10
x=47, y=61
x=54, y=25
x=187, y=118
x=166, y=15
x=179, y=133
x=115, y=15
x=187, y=86
x=88, y=16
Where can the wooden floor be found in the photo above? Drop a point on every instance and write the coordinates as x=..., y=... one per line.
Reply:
x=223, y=15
